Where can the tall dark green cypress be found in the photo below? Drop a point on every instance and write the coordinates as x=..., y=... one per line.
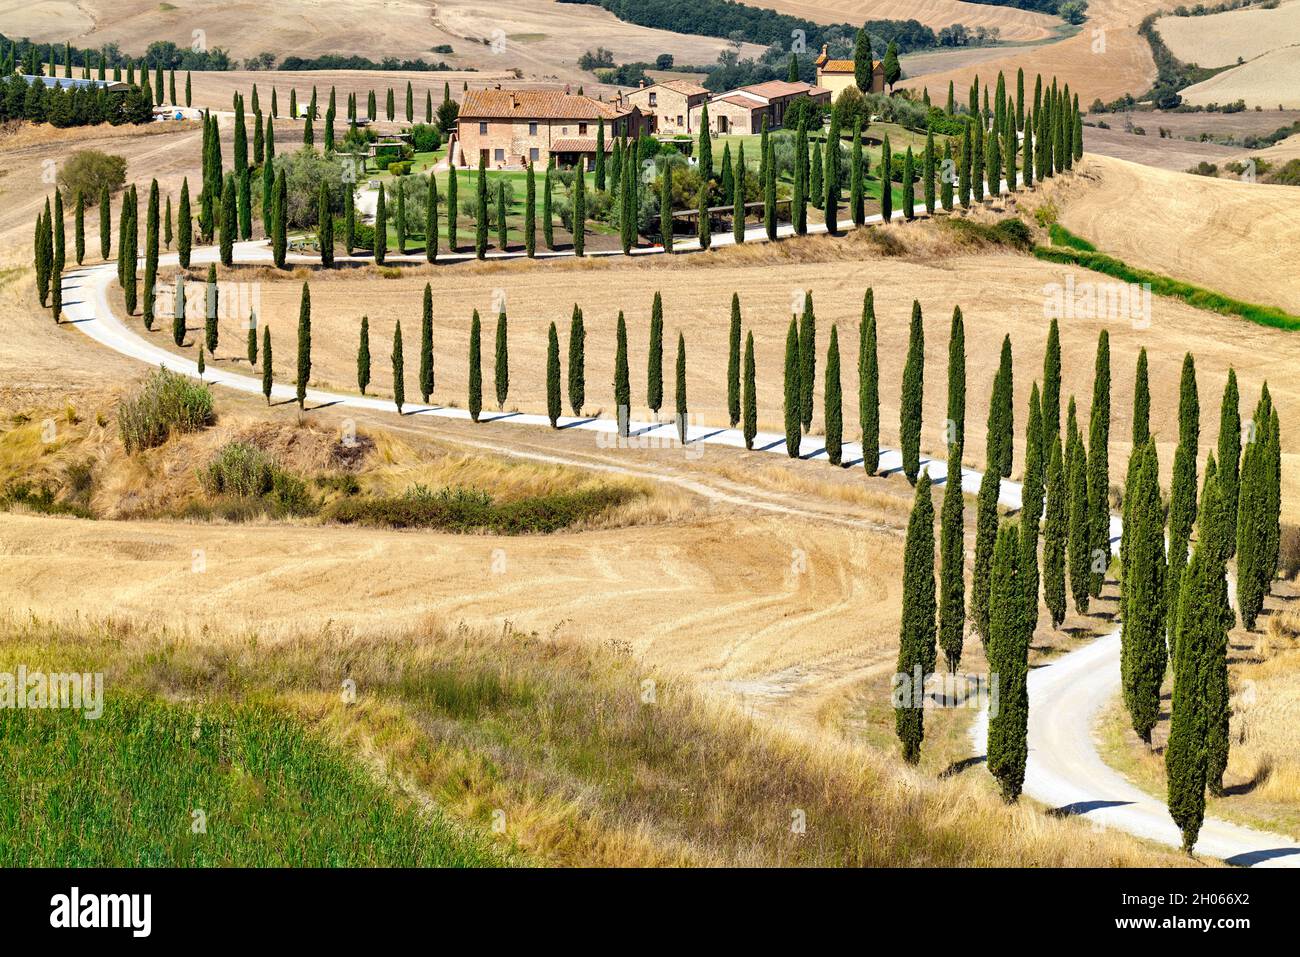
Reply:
x=986, y=534
x=793, y=391
x=548, y=223
x=952, y=558
x=399, y=369
x=833, y=399
x=733, y=363
x=622, y=383
x=910, y=407
x=106, y=223
x=909, y=185
x=150, y=255
x=431, y=219
x=1142, y=654
x=304, y=345
x=325, y=226
x=426, y=344
x=577, y=362
x=552, y=375
x=1099, y=465
x=1055, y=532
x=886, y=182
x=267, y=369
x=530, y=216
x=769, y=192
x=1141, y=402
x=501, y=370
x=453, y=210
x=1230, y=456
x=1182, y=491
x=475, y=398
x=927, y=172
x=363, y=355
x=229, y=222
x=956, y=425
x=1080, y=549
x=1211, y=536
x=279, y=234
x=807, y=361
x=579, y=213
x=399, y=216
x=666, y=207
x=916, y=647
x=79, y=226
x=654, y=385
x=1052, y=384
x=211, y=328
x=750, y=398
x=1001, y=422
x=1008, y=654
x=1254, y=574
x=738, y=204
x=503, y=232
x=481, y=210
x=869, y=385
x=381, y=227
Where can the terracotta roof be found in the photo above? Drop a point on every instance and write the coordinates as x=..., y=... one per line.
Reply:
x=844, y=66
x=774, y=89
x=688, y=87
x=535, y=105
x=580, y=145
x=747, y=102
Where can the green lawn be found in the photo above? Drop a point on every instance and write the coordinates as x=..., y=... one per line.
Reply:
x=122, y=791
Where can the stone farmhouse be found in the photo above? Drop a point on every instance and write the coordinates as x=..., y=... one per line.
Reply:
x=743, y=110
x=670, y=103
x=508, y=129
x=837, y=75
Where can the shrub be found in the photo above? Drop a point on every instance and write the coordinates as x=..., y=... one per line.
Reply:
x=459, y=509
x=167, y=402
x=1046, y=214
x=1288, y=561
x=89, y=171
x=243, y=471
x=425, y=138
x=400, y=167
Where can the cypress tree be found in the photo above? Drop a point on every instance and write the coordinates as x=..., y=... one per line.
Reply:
x=150, y=255
x=733, y=362
x=1142, y=656
x=952, y=558
x=579, y=212
x=807, y=361
x=834, y=400
x=1229, y=459
x=886, y=182
x=738, y=206
x=909, y=186
x=106, y=223
x=1027, y=164
x=501, y=369
x=913, y=393
x=577, y=362
x=916, y=647
x=431, y=218
x=986, y=532
x=869, y=385
x=129, y=249
x=475, y=367
x=666, y=207
x=552, y=375
x=304, y=345
x=279, y=234
x=530, y=214
x=1031, y=512
x=928, y=172
x=793, y=392
x=210, y=328
x=178, y=312
x=399, y=369
x=1052, y=384
x=1099, y=464
x=202, y=364
x=1008, y=654
x=964, y=167
x=1211, y=537
x=655, y=359
x=1055, y=533
x=363, y=356
x=769, y=194
x=704, y=155
x=453, y=211
x=1182, y=491
x=727, y=181
x=426, y=345
x=481, y=211
x=244, y=202
x=1001, y=422
x=229, y=222
x=978, y=157
x=816, y=188
x=681, y=388
x=622, y=383
x=750, y=398
x=1080, y=557
x=410, y=103
x=993, y=161
x=857, y=201
x=705, y=235
x=381, y=227
x=325, y=226
x=252, y=339
x=1141, y=402
x=956, y=431
x=831, y=177
x=1254, y=575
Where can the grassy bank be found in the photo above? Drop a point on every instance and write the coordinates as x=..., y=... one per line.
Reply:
x=1072, y=250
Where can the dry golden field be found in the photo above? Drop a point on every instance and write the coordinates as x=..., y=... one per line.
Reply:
x=1270, y=81
x=1221, y=38
x=1105, y=60
x=1012, y=24
x=542, y=39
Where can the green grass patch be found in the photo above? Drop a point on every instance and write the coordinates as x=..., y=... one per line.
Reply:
x=459, y=509
x=122, y=791
x=1010, y=232
x=1071, y=250
x=168, y=402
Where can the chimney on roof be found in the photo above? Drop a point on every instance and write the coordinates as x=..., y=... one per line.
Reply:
x=640, y=84
x=566, y=89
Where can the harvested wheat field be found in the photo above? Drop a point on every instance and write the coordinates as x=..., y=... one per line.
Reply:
x=1222, y=38
x=1011, y=23
x=542, y=38
x=1271, y=81
x=1150, y=149
x=1105, y=60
